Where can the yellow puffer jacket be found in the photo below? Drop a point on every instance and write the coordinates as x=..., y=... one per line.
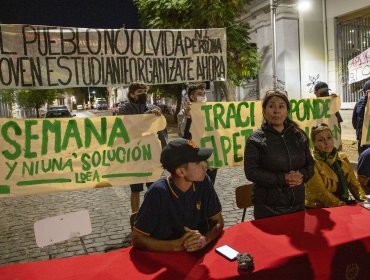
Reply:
x=321, y=187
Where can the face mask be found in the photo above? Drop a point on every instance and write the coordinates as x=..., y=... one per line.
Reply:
x=201, y=98
x=141, y=99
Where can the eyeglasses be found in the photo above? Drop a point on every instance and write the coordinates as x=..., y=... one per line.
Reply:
x=282, y=92
x=321, y=125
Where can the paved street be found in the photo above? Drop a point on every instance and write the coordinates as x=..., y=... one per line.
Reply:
x=109, y=210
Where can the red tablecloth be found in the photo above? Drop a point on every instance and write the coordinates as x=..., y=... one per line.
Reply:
x=331, y=243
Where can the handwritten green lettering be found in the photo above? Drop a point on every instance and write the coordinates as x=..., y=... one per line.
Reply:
x=203, y=143
x=91, y=129
x=118, y=131
x=17, y=131
x=28, y=137
x=55, y=128
x=72, y=132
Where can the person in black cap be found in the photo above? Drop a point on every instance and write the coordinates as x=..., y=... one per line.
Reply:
x=322, y=90
x=182, y=211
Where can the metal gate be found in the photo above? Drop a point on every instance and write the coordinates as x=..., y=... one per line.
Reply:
x=353, y=37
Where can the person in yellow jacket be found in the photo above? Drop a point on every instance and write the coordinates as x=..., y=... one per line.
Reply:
x=333, y=177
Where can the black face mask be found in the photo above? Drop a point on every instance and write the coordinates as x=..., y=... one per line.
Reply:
x=141, y=99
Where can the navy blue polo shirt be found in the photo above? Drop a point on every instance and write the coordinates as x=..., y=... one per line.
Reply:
x=166, y=209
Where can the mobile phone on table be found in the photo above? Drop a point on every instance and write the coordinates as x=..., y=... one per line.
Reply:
x=227, y=252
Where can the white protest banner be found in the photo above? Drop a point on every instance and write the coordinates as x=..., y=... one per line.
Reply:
x=46, y=155
x=365, y=137
x=59, y=57
x=359, y=67
x=225, y=126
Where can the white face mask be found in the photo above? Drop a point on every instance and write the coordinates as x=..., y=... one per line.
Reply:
x=202, y=98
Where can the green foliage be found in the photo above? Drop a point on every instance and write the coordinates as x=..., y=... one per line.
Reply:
x=7, y=96
x=172, y=91
x=242, y=56
x=36, y=98
x=168, y=90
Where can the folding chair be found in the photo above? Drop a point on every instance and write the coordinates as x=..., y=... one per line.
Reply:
x=61, y=228
x=243, y=196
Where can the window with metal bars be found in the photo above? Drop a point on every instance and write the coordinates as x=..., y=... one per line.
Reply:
x=353, y=37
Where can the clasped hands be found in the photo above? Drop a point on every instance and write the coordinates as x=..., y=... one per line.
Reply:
x=293, y=178
x=192, y=240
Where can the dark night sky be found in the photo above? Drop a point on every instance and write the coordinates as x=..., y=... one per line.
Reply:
x=71, y=13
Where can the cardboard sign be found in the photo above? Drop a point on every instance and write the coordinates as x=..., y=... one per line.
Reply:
x=45, y=155
x=225, y=126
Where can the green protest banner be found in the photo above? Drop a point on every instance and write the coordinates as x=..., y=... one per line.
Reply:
x=46, y=155
x=225, y=126
x=365, y=137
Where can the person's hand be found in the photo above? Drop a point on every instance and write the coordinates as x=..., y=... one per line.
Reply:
x=179, y=244
x=156, y=112
x=297, y=178
x=293, y=178
x=195, y=241
x=187, y=108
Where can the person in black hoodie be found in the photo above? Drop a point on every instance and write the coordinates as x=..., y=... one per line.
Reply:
x=277, y=159
x=137, y=96
x=358, y=116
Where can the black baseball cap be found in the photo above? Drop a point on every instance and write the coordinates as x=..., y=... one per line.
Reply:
x=180, y=151
x=321, y=85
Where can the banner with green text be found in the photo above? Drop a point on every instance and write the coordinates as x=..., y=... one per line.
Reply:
x=34, y=56
x=225, y=126
x=46, y=155
x=365, y=137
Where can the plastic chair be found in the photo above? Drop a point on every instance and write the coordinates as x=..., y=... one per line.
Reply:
x=243, y=196
x=61, y=228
